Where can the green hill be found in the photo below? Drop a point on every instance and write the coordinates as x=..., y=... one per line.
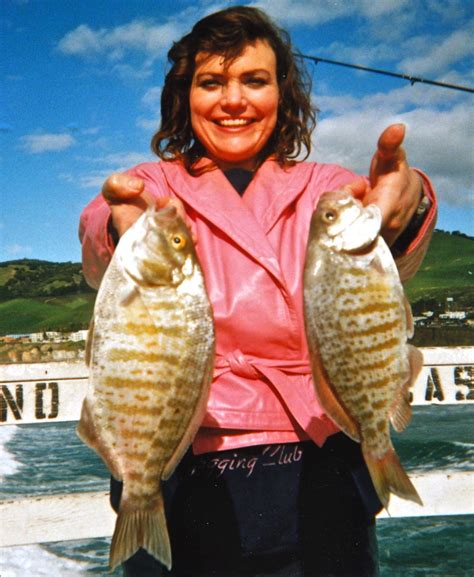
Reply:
x=39, y=278
x=447, y=271
x=38, y=295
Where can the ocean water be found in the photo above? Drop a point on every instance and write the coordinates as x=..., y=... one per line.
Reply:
x=47, y=459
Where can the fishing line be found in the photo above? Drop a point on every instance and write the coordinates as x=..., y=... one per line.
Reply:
x=412, y=79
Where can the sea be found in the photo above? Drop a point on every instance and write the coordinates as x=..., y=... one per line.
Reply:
x=48, y=459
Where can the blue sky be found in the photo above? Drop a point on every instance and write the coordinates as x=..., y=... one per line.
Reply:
x=81, y=85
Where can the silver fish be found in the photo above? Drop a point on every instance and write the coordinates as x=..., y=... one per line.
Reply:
x=357, y=324
x=151, y=356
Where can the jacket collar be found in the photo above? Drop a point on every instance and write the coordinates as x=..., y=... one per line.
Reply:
x=245, y=220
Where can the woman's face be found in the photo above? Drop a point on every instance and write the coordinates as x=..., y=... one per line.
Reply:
x=234, y=107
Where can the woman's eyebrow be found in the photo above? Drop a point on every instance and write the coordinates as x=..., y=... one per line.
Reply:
x=219, y=74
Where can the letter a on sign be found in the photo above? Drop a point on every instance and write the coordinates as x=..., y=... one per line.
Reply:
x=433, y=386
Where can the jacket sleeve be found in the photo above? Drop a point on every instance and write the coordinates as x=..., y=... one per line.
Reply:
x=409, y=261
x=97, y=241
x=97, y=244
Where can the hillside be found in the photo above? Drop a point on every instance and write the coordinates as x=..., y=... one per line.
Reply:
x=447, y=271
x=38, y=295
x=28, y=278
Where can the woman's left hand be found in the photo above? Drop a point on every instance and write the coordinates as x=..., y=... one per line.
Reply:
x=393, y=185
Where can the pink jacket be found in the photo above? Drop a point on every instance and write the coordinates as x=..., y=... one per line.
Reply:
x=252, y=252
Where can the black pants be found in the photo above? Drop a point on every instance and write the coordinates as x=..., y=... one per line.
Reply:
x=291, y=510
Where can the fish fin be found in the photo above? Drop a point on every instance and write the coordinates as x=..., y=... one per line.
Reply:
x=331, y=404
x=401, y=416
x=127, y=294
x=90, y=336
x=416, y=362
x=388, y=476
x=409, y=318
x=141, y=529
x=87, y=429
x=402, y=412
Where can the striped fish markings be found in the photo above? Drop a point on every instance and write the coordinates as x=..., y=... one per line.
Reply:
x=151, y=356
x=357, y=324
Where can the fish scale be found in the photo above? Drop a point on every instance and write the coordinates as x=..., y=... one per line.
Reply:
x=357, y=326
x=150, y=354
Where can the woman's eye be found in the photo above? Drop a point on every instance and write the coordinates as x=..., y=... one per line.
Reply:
x=209, y=84
x=256, y=82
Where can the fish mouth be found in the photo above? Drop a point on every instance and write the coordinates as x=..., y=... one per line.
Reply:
x=360, y=236
x=165, y=215
x=361, y=250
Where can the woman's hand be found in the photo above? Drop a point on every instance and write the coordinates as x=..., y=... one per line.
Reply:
x=128, y=200
x=393, y=186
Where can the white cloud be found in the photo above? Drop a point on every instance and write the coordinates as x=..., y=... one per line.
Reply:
x=18, y=249
x=120, y=161
x=152, y=100
x=109, y=163
x=439, y=140
x=353, y=54
x=152, y=97
x=448, y=10
x=142, y=36
x=39, y=143
x=311, y=12
x=151, y=125
x=439, y=55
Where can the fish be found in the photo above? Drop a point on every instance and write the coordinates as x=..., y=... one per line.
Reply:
x=150, y=354
x=357, y=323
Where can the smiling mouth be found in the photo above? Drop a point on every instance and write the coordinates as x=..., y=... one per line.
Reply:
x=234, y=122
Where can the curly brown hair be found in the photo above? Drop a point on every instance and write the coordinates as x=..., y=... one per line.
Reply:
x=227, y=33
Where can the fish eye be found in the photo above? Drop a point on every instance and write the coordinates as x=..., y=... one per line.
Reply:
x=178, y=241
x=329, y=216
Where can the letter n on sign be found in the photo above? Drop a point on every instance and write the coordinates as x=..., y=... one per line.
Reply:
x=11, y=401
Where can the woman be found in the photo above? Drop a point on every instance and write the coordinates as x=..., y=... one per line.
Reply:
x=270, y=487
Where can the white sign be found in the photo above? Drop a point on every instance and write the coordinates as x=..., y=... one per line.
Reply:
x=53, y=392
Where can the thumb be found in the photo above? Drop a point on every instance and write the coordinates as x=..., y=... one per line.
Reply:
x=120, y=187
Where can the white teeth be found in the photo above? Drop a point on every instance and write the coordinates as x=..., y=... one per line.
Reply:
x=234, y=122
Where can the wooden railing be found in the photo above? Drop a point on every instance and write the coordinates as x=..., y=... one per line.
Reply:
x=53, y=392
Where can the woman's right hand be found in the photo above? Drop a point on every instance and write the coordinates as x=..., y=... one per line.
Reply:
x=128, y=200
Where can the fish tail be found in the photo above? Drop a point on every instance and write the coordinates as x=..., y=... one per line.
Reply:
x=388, y=476
x=141, y=529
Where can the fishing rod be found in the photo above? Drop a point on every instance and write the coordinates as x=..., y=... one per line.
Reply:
x=411, y=79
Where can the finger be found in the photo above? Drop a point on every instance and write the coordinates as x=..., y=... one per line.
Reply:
x=120, y=187
x=358, y=188
x=390, y=141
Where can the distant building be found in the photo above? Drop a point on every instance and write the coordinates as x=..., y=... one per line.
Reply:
x=46, y=336
x=78, y=336
x=453, y=316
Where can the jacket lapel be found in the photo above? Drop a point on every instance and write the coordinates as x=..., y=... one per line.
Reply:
x=245, y=220
x=274, y=189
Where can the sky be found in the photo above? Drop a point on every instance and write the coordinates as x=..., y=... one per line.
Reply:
x=81, y=84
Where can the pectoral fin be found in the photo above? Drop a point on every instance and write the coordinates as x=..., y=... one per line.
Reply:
x=90, y=336
x=401, y=414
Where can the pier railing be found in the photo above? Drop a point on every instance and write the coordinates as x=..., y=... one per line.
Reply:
x=53, y=392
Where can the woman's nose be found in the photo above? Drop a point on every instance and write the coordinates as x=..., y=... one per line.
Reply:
x=233, y=96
